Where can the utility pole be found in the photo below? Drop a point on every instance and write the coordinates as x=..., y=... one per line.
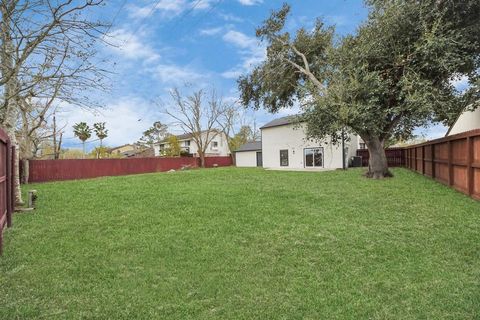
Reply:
x=56, y=148
x=54, y=137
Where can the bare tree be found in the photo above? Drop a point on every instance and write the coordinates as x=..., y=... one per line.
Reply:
x=34, y=131
x=199, y=114
x=228, y=120
x=45, y=43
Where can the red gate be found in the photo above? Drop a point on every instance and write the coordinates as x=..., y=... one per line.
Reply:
x=6, y=184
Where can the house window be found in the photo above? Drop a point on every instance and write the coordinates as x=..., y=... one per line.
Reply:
x=214, y=145
x=313, y=157
x=284, y=158
x=362, y=145
x=187, y=143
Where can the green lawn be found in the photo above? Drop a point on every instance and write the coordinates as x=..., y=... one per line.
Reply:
x=242, y=244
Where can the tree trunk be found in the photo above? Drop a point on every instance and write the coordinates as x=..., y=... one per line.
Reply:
x=9, y=110
x=202, y=159
x=26, y=152
x=16, y=168
x=99, y=151
x=377, y=162
x=25, y=171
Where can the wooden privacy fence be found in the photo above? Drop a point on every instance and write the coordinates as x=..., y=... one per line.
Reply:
x=55, y=170
x=454, y=161
x=395, y=157
x=7, y=194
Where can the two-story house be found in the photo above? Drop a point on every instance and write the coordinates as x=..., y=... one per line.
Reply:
x=284, y=145
x=466, y=121
x=218, y=145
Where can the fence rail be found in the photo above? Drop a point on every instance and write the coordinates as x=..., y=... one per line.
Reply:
x=7, y=193
x=73, y=169
x=395, y=157
x=454, y=161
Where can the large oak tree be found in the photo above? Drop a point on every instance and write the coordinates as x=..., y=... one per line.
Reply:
x=393, y=75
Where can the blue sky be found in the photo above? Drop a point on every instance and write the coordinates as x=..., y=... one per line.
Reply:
x=206, y=43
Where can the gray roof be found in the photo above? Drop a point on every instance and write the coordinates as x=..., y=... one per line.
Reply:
x=187, y=136
x=250, y=146
x=184, y=136
x=281, y=121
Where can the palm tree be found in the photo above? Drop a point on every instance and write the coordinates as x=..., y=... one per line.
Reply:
x=100, y=131
x=83, y=132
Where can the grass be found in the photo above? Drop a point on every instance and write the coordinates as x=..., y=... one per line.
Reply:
x=244, y=243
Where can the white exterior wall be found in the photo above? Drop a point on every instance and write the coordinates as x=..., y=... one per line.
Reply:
x=467, y=121
x=221, y=151
x=292, y=137
x=156, y=150
x=246, y=158
x=352, y=146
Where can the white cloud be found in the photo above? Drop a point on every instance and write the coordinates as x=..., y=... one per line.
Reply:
x=126, y=118
x=131, y=46
x=168, y=8
x=165, y=6
x=232, y=73
x=211, y=31
x=250, y=2
x=230, y=17
x=176, y=75
x=251, y=52
x=240, y=40
x=203, y=4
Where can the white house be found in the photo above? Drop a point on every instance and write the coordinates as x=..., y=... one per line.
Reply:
x=218, y=146
x=249, y=155
x=284, y=145
x=468, y=120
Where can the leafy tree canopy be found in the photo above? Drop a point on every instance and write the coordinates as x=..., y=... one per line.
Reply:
x=394, y=74
x=155, y=134
x=244, y=134
x=173, y=147
x=82, y=130
x=100, y=130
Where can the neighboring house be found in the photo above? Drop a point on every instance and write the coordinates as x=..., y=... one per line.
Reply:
x=361, y=144
x=218, y=146
x=468, y=120
x=249, y=155
x=126, y=150
x=284, y=146
x=145, y=153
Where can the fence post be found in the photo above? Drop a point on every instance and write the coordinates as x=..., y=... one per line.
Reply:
x=408, y=158
x=9, y=182
x=432, y=151
x=410, y=155
x=450, y=166
x=423, y=160
x=470, y=176
x=415, y=149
